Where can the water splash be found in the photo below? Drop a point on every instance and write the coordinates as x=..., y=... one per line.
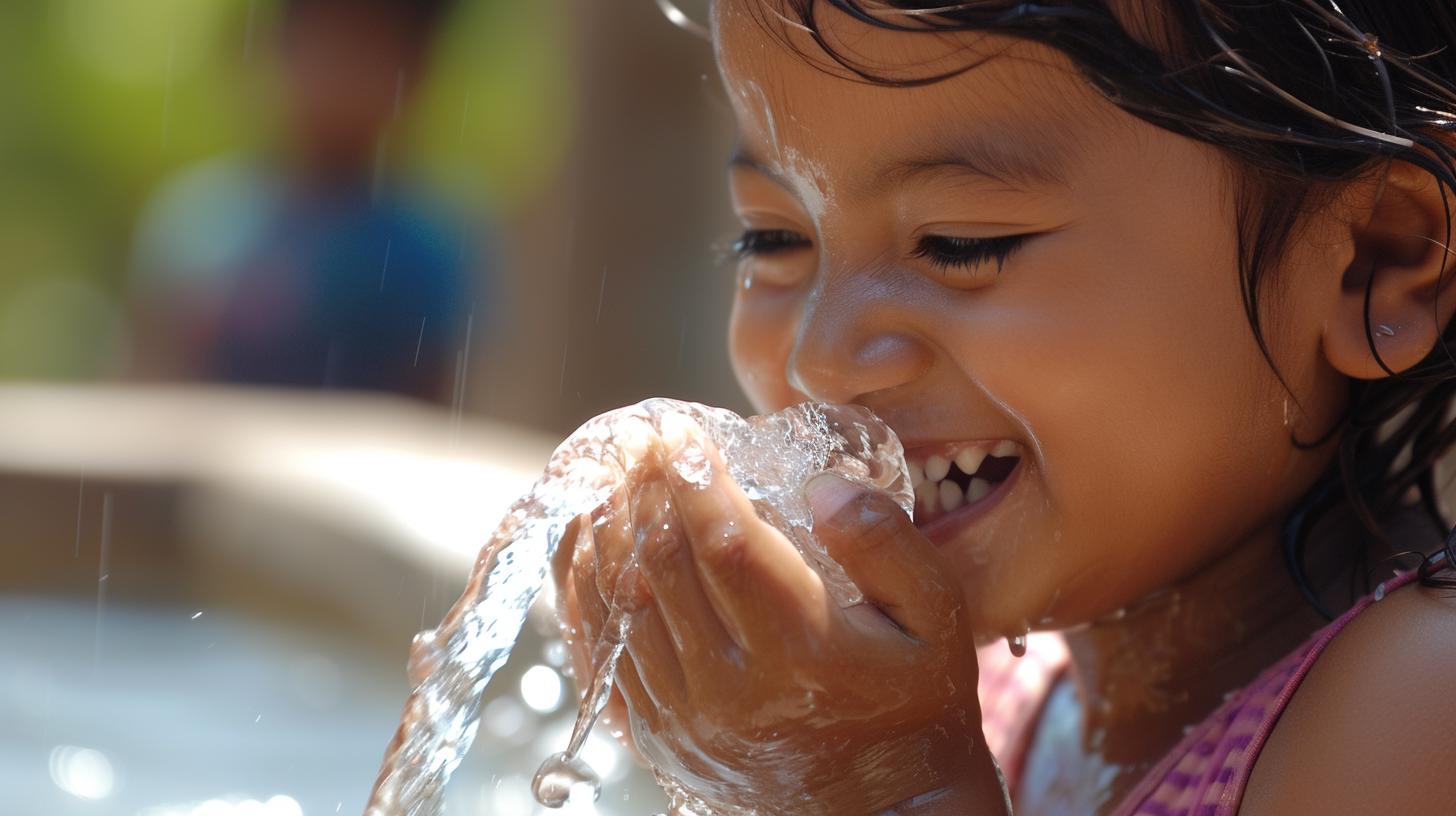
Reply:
x=770, y=457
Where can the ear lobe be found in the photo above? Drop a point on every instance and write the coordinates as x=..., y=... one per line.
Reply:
x=1401, y=277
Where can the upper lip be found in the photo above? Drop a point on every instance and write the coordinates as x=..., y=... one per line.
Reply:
x=931, y=446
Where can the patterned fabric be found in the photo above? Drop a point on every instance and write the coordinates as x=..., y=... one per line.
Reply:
x=1205, y=775
x=1012, y=691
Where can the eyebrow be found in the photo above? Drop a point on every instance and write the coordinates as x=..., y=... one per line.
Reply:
x=1016, y=163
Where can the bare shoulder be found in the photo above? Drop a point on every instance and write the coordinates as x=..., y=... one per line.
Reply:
x=1373, y=727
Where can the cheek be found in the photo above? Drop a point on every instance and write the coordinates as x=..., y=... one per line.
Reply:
x=761, y=334
x=1126, y=353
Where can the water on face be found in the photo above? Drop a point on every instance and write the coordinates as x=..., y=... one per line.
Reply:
x=770, y=457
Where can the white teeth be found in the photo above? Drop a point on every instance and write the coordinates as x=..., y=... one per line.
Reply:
x=936, y=468
x=969, y=460
x=978, y=490
x=950, y=496
x=935, y=493
x=926, y=496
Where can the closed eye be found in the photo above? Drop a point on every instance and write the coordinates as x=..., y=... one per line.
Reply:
x=954, y=252
x=768, y=242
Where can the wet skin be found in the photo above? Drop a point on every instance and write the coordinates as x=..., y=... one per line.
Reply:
x=1110, y=345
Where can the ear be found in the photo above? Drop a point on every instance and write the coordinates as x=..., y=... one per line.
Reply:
x=1402, y=265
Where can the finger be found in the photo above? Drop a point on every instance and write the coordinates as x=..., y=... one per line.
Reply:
x=655, y=659
x=623, y=596
x=575, y=628
x=612, y=547
x=703, y=646
x=892, y=563
x=613, y=520
x=630, y=697
x=568, y=609
x=587, y=644
x=768, y=599
x=585, y=614
x=615, y=720
x=584, y=592
x=566, y=548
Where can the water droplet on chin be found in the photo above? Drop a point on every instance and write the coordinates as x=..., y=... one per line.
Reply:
x=1017, y=644
x=559, y=776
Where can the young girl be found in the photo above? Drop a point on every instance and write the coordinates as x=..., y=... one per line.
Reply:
x=1156, y=294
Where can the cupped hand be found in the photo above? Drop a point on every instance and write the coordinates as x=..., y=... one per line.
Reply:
x=743, y=681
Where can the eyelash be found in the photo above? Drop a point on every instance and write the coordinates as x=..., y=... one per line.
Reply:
x=943, y=251
x=948, y=252
x=767, y=242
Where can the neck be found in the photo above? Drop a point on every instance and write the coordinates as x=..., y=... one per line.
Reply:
x=1145, y=674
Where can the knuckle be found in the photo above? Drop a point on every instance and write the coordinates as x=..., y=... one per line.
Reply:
x=658, y=546
x=610, y=559
x=725, y=551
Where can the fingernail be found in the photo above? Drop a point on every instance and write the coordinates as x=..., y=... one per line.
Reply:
x=633, y=438
x=676, y=431
x=828, y=494
x=685, y=453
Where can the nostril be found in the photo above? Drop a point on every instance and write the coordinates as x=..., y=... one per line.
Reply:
x=841, y=356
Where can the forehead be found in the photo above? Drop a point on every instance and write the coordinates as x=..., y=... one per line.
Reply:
x=1023, y=100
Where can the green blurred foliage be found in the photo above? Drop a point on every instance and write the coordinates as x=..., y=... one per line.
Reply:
x=101, y=100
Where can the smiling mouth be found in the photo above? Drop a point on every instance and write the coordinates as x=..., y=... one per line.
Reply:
x=961, y=476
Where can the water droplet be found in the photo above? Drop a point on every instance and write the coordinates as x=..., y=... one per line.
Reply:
x=424, y=657
x=560, y=776
x=1017, y=644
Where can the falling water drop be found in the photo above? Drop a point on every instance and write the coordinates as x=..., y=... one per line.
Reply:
x=1017, y=644
x=560, y=775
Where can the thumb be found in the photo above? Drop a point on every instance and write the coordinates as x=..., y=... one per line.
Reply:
x=892, y=563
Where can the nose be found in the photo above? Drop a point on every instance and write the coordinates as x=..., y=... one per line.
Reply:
x=854, y=339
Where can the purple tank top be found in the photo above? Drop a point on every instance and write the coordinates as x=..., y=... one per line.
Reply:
x=1206, y=773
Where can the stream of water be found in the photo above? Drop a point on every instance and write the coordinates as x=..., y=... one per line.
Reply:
x=771, y=457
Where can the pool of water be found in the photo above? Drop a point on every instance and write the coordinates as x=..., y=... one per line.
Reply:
x=181, y=711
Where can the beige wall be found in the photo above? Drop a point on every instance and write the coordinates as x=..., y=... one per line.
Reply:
x=641, y=201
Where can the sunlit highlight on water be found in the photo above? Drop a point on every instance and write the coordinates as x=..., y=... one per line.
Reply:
x=541, y=689
x=85, y=773
x=279, y=805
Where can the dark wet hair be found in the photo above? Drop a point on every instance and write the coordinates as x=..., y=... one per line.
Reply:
x=1302, y=93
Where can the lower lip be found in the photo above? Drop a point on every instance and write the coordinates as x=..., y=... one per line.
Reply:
x=945, y=529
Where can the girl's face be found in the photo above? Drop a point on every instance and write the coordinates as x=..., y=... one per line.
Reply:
x=1004, y=263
